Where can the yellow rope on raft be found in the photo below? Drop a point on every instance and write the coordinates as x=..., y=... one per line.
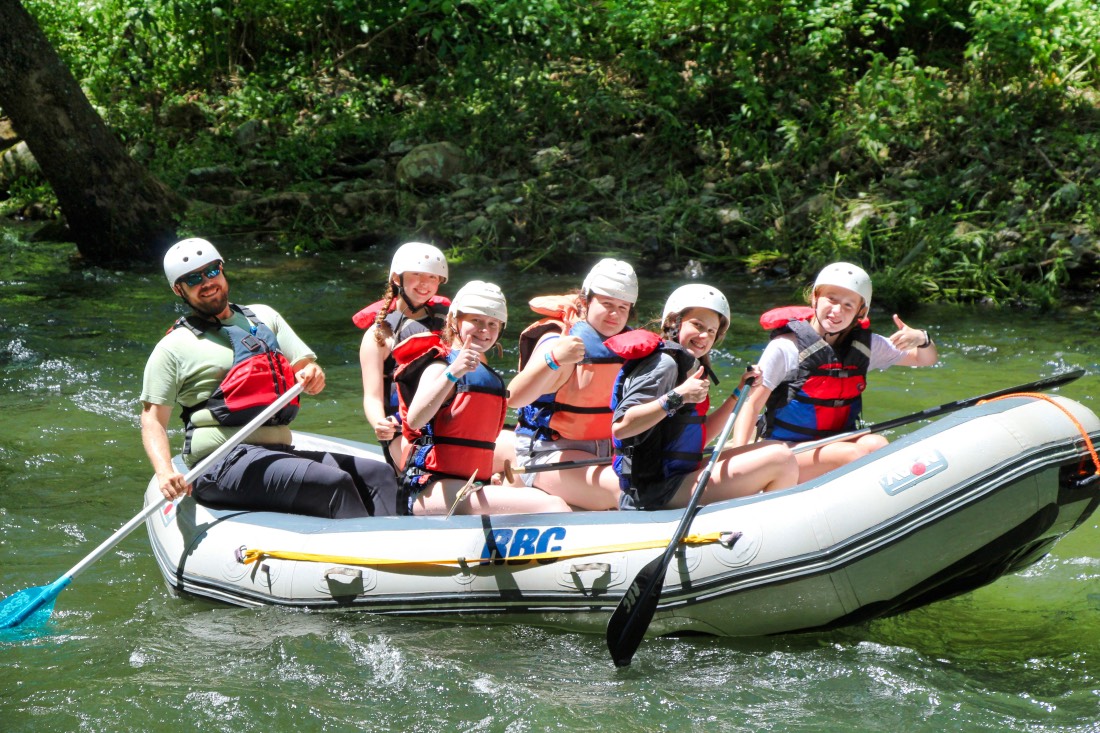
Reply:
x=1072, y=419
x=251, y=556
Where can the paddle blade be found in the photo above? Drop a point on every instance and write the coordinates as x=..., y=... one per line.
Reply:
x=628, y=624
x=31, y=607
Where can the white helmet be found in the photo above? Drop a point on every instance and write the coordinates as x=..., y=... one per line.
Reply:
x=698, y=295
x=483, y=298
x=613, y=278
x=849, y=276
x=419, y=257
x=188, y=255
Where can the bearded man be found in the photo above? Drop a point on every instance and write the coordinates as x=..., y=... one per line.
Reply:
x=223, y=364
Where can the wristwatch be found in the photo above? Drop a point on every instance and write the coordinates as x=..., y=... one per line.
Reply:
x=673, y=401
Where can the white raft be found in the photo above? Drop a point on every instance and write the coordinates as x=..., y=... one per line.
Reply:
x=948, y=508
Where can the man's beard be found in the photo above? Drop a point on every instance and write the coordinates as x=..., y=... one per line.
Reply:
x=210, y=309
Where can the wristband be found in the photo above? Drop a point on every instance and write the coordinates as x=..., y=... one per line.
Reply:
x=450, y=377
x=551, y=361
x=927, y=340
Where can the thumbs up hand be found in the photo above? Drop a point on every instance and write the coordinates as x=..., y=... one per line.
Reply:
x=695, y=388
x=466, y=361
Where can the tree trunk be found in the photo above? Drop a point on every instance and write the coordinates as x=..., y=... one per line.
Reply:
x=115, y=210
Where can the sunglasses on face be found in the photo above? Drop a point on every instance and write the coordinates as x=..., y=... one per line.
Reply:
x=192, y=279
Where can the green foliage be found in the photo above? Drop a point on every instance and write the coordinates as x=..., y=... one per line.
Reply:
x=946, y=144
x=27, y=191
x=1024, y=41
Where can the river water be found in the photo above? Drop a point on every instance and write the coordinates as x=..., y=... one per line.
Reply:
x=122, y=654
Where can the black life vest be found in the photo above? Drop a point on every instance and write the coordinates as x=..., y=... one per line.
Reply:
x=673, y=447
x=824, y=396
x=259, y=375
x=402, y=327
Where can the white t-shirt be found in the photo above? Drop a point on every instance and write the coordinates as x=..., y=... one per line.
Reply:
x=779, y=362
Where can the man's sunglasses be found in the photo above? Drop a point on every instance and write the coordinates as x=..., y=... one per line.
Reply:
x=192, y=279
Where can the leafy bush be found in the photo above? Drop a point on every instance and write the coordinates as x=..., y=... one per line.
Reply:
x=947, y=143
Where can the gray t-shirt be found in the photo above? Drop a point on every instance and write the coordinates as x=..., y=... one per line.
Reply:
x=653, y=377
x=185, y=369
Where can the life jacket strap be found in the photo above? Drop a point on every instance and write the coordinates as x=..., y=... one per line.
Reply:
x=684, y=456
x=463, y=442
x=822, y=402
x=601, y=360
x=560, y=407
x=481, y=389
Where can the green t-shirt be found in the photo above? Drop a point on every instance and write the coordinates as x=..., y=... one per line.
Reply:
x=185, y=369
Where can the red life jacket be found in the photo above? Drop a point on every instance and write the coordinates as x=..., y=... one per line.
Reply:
x=402, y=328
x=364, y=319
x=462, y=435
x=259, y=375
x=824, y=397
x=780, y=317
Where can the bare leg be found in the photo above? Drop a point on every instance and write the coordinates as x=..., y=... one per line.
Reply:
x=395, y=447
x=505, y=450
x=812, y=464
x=437, y=500
x=747, y=470
x=594, y=487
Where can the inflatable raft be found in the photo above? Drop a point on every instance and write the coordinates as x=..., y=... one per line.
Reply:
x=950, y=507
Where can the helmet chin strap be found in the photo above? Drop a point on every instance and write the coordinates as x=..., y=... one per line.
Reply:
x=401, y=293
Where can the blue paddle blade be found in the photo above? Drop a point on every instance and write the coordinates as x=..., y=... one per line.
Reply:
x=31, y=607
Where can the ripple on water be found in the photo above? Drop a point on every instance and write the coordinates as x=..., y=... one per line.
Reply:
x=118, y=405
x=74, y=531
x=17, y=352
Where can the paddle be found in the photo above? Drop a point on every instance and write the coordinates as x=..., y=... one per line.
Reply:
x=468, y=488
x=511, y=471
x=38, y=601
x=1047, y=383
x=631, y=618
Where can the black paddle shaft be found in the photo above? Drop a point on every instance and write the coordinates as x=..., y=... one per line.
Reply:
x=628, y=624
x=1047, y=383
x=537, y=468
